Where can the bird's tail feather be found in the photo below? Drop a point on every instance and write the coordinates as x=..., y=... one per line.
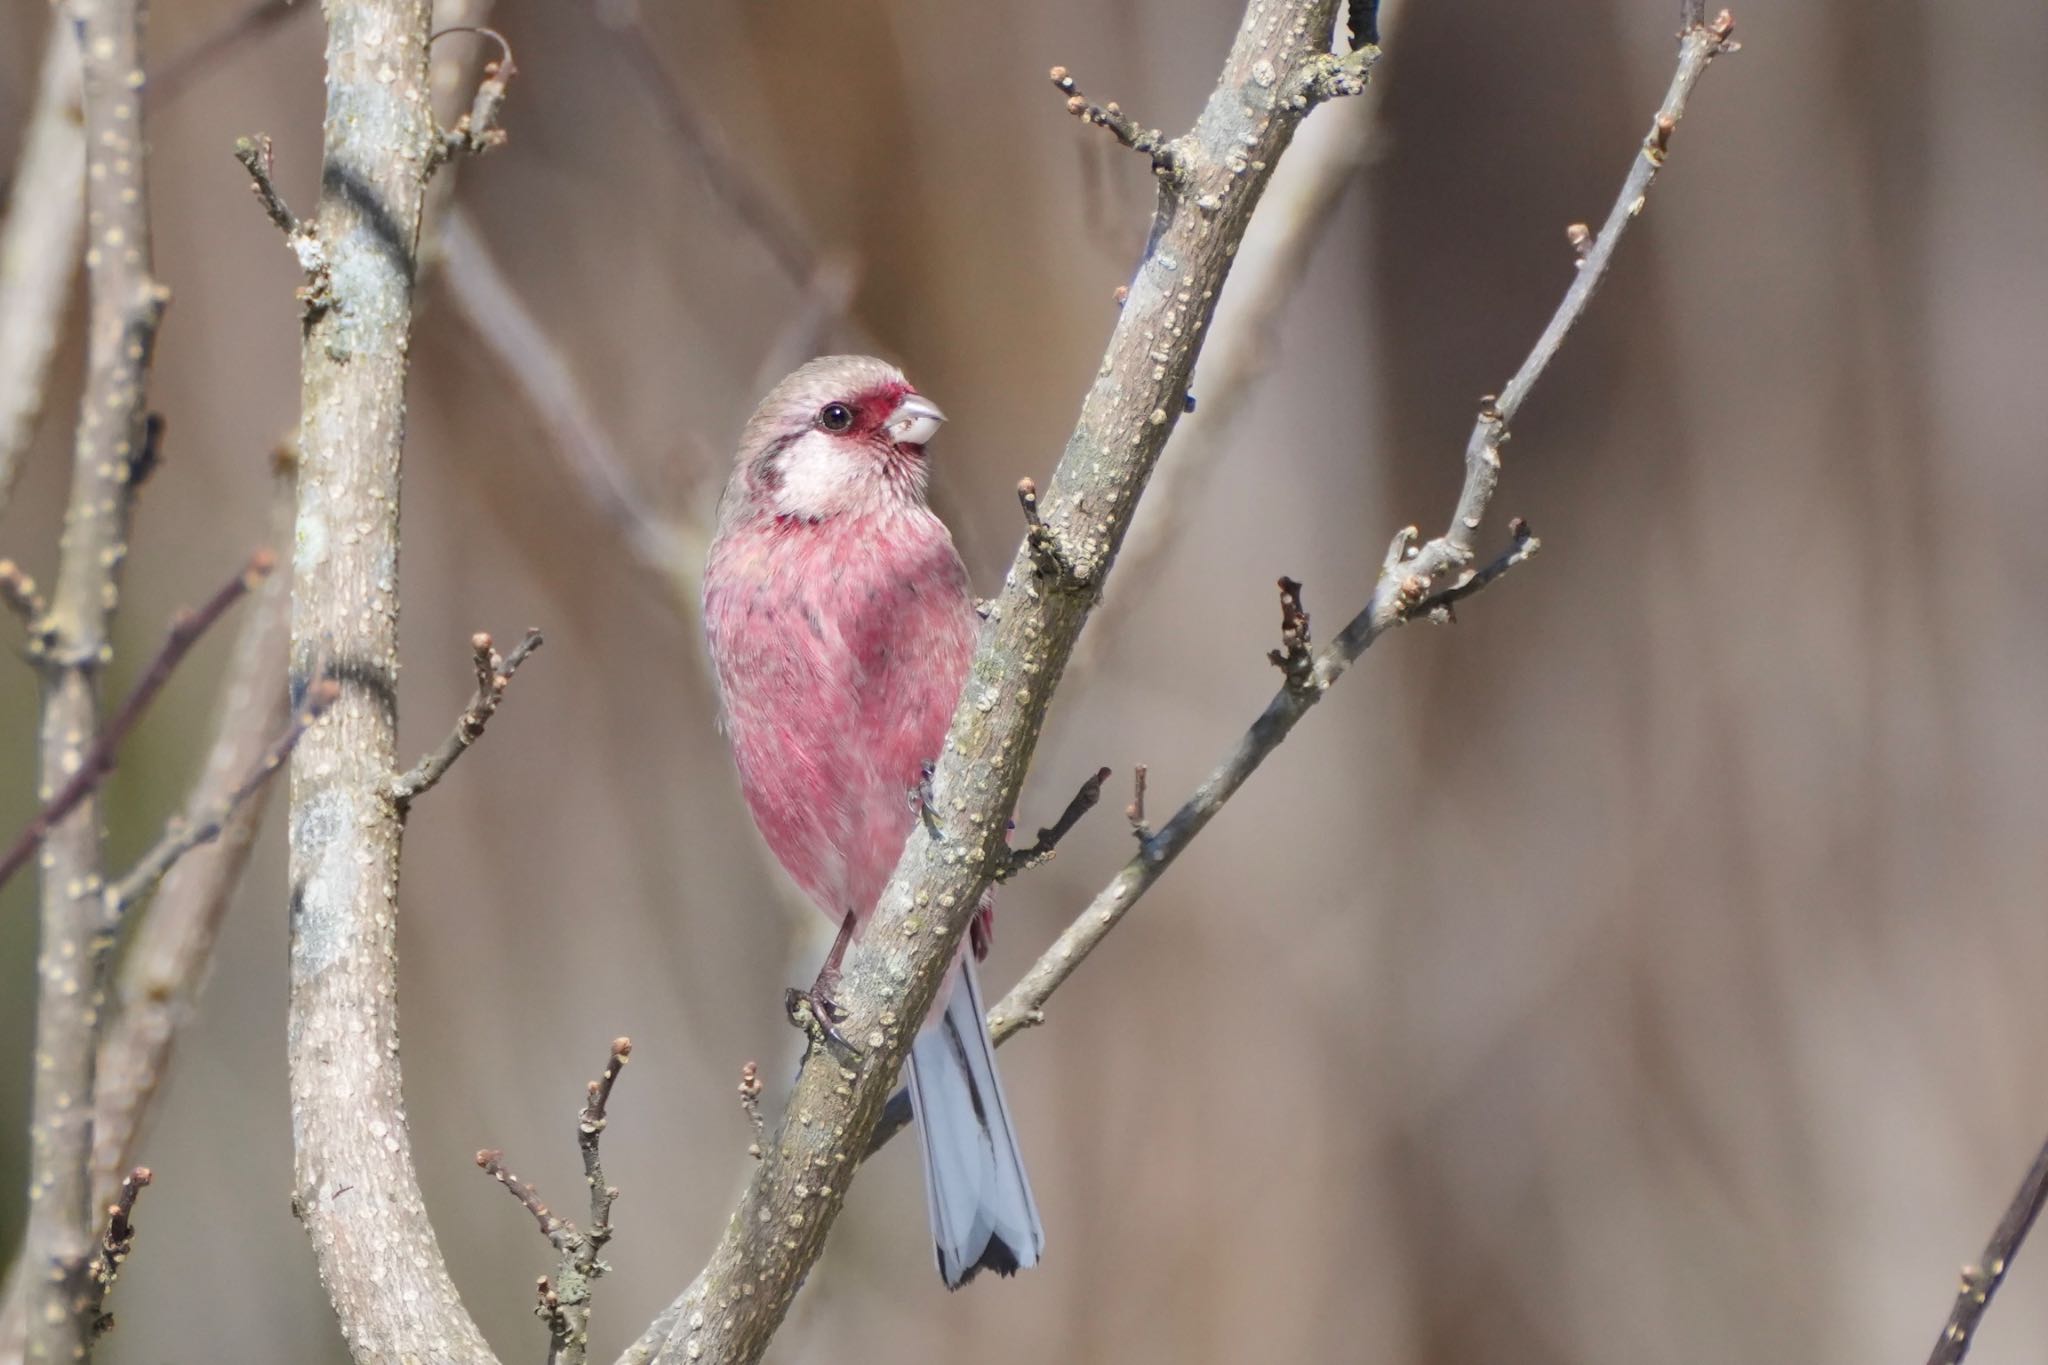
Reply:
x=983, y=1216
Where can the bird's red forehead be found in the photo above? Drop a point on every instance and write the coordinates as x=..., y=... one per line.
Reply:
x=872, y=407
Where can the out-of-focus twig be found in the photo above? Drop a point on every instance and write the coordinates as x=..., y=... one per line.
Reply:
x=1406, y=584
x=110, y=454
x=728, y=177
x=171, y=947
x=1981, y=1281
x=106, y=752
x=39, y=244
x=115, y=1243
x=493, y=676
x=668, y=550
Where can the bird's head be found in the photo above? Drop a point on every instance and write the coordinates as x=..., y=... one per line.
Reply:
x=844, y=434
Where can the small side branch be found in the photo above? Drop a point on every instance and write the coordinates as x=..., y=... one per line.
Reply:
x=185, y=631
x=1047, y=553
x=115, y=1244
x=564, y=1301
x=1023, y=859
x=1981, y=1281
x=184, y=835
x=1149, y=141
x=479, y=130
x=1294, y=659
x=21, y=596
x=257, y=156
x=493, y=675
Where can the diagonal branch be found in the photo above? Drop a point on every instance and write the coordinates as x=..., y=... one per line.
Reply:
x=39, y=243
x=1981, y=1281
x=493, y=675
x=185, y=631
x=1396, y=598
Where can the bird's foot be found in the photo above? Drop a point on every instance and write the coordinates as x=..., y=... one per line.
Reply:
x=819, y=1016
x=921, y=800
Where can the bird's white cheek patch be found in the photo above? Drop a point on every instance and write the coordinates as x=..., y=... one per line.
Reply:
x=822, y=476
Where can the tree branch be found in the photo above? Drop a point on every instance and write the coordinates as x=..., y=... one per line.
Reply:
x=493, y=675
x=565, y=1301
x=39, y=246
x=115, y=1244
x=1397, y=597
x=110, y=453
x=186, y=628
x=891, y=972
x=354, y=1181
x=1981, y=1281
x=168, y=954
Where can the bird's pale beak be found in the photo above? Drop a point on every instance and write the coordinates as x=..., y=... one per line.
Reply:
x=915, y=421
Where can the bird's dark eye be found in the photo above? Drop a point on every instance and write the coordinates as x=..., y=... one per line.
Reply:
x=835, y=417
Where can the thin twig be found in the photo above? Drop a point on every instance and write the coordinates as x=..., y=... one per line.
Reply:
x=39, y=245
x=564, y=1301
x=203, y=53
x=1981, y=1281
x=1294, y=658
x=492, y=1162
x=729, y=177
x=186, y=628
x=499, y=317
x=1402, y=592
x=1121, y=126
x=188, y=833
x=750, y=1105
x=171, y=945
x=258, y=158
x=479, y=129
x=493, y=675
x=19, y=593
x=1023, y=859
x=115, y=1245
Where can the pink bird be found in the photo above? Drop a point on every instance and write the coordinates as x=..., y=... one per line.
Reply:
x=841, y=625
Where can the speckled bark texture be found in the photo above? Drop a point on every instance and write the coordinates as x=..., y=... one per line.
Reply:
x=1278, y=67
x=70, y=647
x=354, y=1183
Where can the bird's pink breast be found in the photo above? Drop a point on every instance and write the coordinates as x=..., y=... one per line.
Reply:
x=840, y=648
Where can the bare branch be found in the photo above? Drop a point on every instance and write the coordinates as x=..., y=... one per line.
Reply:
x=564, y=1302
x=19, y=593
x=109, y=455
x=1293, y=658
x=1402, y=593
x=495, y=312
x=39, y=244
x=478, y=130
x=1151, y=141
x=728, y=176
x=1981, y=1281
x=165, y=962
x=186, y=628
x=115, y=1244
x=1023, y=859
x=376, y=1250
x=185, y=66
x=493, y=675
x=192, y=831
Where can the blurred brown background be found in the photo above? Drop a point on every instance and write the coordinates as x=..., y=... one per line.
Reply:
x=1648, y=969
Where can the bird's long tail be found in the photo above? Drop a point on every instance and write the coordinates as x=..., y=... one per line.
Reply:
x=982, y=1212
